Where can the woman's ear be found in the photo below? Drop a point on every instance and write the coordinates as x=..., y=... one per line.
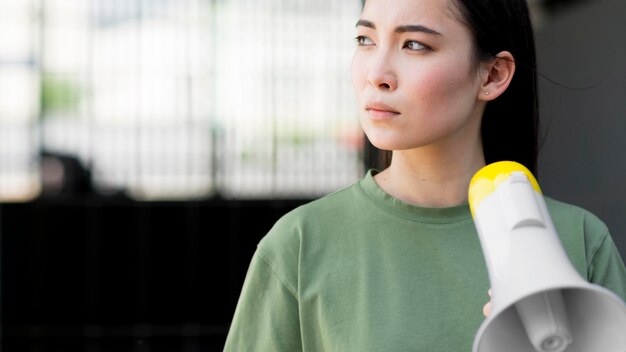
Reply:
x=496, y=75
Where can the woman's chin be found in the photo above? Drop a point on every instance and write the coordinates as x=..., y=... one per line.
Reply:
x=384, y=141
x=384, y=145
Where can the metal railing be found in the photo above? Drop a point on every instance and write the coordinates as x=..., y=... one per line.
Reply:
x=183, y=99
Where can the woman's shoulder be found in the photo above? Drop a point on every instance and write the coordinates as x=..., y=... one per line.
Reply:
x=314, y=216
x=570, y=215
x=303, y=226
x=328, y=206
x=581, y=232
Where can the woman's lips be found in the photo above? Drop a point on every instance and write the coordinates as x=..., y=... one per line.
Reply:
x=380, y=111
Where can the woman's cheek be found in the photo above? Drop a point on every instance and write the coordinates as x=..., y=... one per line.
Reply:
x=358, y=75
x=444, y=88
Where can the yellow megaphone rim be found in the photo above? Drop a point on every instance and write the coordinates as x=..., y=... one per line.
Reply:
x=487, y=180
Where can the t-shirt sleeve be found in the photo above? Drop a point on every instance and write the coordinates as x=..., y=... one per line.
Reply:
x=606, y=267
x=266, y=317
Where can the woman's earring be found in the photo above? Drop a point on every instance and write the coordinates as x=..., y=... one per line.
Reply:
x=486, y=92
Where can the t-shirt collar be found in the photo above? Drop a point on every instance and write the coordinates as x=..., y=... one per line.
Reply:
x=410, y=211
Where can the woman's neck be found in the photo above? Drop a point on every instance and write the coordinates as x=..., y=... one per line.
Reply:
x=427, y=180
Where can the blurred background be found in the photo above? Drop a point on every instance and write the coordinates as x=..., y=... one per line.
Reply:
x=147, y=145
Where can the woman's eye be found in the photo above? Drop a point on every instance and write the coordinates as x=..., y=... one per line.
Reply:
x=413, y=45
x=363, y=41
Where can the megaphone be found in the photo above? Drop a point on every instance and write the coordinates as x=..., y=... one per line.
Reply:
x=540, y=302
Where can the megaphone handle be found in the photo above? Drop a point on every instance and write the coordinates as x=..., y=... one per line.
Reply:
x=545, y=320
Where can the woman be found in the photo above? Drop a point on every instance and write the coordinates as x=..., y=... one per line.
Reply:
x=393, y=262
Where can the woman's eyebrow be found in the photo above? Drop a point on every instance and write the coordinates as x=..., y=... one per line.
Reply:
x=365, y=23
x=400, y=29
x=416, y=28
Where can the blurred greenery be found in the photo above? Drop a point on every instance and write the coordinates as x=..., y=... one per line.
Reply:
x=58, y=94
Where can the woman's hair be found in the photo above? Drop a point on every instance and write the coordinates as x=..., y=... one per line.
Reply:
x=510, y=123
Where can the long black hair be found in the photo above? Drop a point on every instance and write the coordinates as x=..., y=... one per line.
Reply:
x=510, y=123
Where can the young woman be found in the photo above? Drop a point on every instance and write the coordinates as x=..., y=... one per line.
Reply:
x=393, y=262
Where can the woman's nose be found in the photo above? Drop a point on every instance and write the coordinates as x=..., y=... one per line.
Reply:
x=382, y=76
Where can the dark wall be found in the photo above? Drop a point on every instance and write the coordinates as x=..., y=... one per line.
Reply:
x=91, y=274
x=583, y=159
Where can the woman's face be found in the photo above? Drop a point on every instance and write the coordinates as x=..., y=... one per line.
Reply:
x=414, y=76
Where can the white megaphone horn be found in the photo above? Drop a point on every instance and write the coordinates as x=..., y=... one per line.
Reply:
x=540, y=302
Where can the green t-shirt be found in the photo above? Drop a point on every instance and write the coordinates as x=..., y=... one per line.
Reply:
x=358, y=270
